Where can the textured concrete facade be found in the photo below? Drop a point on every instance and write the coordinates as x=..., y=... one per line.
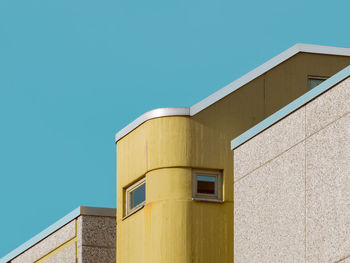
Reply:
x=267, y=227
x=257, y=152
x=96, y=239
x=66, y=255
x=292, y=186
x=84, y=239
x=50, y=243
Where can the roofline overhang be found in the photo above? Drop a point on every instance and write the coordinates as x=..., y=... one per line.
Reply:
x=233, y=86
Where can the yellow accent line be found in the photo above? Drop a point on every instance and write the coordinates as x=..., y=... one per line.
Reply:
x=76, y=239
x=56, y=250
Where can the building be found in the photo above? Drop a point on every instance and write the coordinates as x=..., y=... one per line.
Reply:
x=87, y=234
x=183, y=192
x=175, y=183
x=292, y=180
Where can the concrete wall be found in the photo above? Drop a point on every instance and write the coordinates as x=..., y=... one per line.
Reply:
x=292, y=186
x=96, y=239
x=85, y=239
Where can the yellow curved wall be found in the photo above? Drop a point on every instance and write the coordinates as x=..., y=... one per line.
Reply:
x=171, y=227
x=157, y=150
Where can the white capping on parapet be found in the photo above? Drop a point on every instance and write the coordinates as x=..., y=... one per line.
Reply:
x=81, y=210
x=218, y=95
x=161, y=112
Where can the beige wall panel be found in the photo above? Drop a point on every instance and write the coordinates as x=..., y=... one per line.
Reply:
x=269, y=211
x=328, y=107
x=270, y=143
x=97, y=255
x=328, y=193
x=66, y=255
x=346, y=260
x=48, y=244
x=96, y=231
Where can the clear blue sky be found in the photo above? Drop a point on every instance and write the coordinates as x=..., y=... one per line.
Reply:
x=73, y=73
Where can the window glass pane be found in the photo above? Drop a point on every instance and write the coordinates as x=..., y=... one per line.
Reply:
x=313, y=82
x=206, y=178
x=138, y=196
x=206, y=184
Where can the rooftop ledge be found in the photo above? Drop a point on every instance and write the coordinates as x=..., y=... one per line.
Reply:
x=218, y=95
x=294, y=105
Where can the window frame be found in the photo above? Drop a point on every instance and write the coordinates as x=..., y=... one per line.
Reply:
x=217, y=197
x=311, y=77
x=128, y=210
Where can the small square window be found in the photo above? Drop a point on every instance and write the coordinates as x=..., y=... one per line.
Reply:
x=314, y=81
x=207, y=185
x=135, y=196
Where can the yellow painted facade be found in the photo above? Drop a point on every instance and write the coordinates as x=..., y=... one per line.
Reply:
x=172, y=227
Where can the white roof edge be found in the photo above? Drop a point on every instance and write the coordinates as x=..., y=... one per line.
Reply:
x=81, y=210
x=161, y=112
x=328, y=50
x=223, y=92
x=275, y=61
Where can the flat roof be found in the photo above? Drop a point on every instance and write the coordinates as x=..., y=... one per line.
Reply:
x=291, y=107
x=218, y=95
x=81, y=210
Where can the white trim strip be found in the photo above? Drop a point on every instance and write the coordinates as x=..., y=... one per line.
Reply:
x=161, y=112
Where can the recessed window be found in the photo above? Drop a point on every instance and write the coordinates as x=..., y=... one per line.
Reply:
x=135, y=196
x=314, y=81
x=207, y=185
